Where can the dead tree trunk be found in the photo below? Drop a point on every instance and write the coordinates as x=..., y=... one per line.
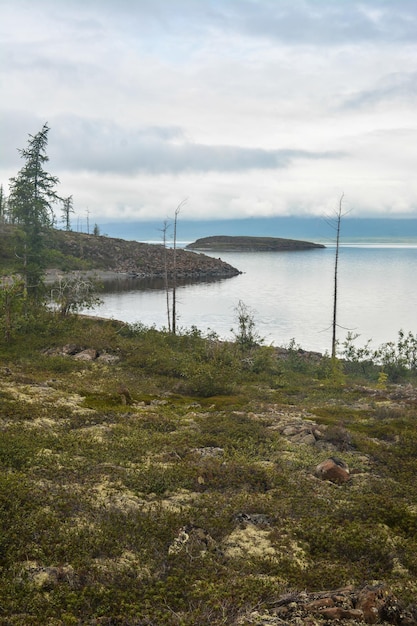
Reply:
x=174, y=277
x=174, y=271
x=339, y=216
x=166, y=285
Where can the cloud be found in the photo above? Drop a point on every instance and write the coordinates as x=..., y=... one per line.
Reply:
x=103, y=146
x=248, y=107
x=306, y=22
x=398, y=86
x=327, y=23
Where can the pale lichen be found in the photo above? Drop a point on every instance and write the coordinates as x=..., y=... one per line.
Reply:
x=249, y=542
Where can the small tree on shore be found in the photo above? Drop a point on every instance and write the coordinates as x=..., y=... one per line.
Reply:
x=32, y=195
x=246, y=335
x=73, y=292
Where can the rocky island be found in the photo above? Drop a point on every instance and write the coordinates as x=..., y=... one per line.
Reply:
x=250, y=244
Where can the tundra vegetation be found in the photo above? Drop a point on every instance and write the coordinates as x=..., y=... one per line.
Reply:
x=151, y=478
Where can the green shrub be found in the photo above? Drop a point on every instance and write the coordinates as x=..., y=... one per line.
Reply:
x=398, y=360
x=246, y=335
x=105, y=489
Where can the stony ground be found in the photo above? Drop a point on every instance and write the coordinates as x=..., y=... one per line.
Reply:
x=145, y=260
x=68, y=250
x=118, y=454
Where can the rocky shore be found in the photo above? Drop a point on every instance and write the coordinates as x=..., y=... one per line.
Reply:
x=110, y=258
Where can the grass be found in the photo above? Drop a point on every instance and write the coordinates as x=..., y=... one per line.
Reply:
x=185, y=505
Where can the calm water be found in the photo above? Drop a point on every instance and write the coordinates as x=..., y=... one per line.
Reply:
x=291, y=296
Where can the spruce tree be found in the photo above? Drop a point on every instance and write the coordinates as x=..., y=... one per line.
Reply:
x=32, y=195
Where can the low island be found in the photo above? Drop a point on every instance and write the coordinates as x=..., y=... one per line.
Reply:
x=250, y=244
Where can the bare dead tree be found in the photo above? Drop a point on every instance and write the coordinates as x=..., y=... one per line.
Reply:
x=174, y=277
x=335, y=222
x=67, y=209
x=72, y=292
x=164, y=230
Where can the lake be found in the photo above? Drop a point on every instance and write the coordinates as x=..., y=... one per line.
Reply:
x=290, y=295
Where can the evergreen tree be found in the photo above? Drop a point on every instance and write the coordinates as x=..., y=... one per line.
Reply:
x=32, y=194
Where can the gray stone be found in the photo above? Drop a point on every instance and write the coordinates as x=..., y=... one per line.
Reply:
x=86, y=355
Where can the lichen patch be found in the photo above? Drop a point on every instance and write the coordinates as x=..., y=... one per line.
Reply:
x=249, y=542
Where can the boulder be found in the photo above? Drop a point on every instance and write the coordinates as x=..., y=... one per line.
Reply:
x=86, y=355
x=339, y=613
x=108, y=359
x=71, y=349
x=371, y=601
x=334, y=470
x=372, y=604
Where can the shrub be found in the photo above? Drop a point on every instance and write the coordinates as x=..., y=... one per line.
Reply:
x=397, y=359
x=246, y=335
x=70, y=293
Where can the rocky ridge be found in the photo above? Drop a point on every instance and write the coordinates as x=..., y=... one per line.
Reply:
x=140, y=259
x=108, y=257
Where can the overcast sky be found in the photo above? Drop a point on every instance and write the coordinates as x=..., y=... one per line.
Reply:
x=245, y=107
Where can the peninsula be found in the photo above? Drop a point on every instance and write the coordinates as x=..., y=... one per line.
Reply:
x=250, y=244
x=108, y=257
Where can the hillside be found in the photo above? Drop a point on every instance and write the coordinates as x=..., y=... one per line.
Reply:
x=148, y=479
x=67, y=250
x=250, y=244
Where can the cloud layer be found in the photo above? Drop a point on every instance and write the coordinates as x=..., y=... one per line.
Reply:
x=245, y=107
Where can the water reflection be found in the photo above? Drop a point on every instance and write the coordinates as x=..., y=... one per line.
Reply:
x=290, y=294
x=126, y=283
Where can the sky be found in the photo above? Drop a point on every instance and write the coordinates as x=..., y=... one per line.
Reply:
x=243, y=108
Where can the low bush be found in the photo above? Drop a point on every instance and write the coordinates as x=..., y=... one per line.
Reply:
x=95, y=492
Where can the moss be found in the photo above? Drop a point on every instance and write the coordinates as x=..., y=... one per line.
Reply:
x=94, y=492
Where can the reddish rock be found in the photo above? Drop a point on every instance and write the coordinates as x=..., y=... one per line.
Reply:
x=334, y=470
x=371, y=601
x=367, y=605
x=321, y=603
x=336, y=612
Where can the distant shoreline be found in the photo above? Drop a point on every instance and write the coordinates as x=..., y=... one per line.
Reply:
x=225, y=243
x=303, y=228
